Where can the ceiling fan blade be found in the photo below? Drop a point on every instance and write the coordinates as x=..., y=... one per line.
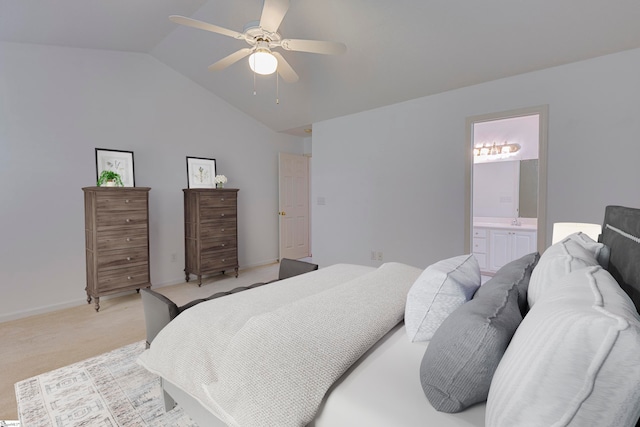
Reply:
x=314, y=46
x=183, y=20
x=284, y=69
x=231, y=59
x=273, y=13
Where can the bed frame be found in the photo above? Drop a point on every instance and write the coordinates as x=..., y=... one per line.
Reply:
x=620, y=232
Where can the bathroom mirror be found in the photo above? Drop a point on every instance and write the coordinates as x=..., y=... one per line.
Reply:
x=528, y=190
x=506, y=189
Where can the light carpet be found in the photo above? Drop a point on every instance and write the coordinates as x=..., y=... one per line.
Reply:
x=107, y=390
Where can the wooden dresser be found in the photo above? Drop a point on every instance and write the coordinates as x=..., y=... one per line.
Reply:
x=210, y=231
x=117, y=240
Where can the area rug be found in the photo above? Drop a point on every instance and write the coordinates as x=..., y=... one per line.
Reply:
x=107, y=390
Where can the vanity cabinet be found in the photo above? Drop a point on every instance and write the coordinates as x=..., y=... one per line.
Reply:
x=210, y=231
x=480, y=247
x=116, y=240
x=495, y=247
x=508, y=245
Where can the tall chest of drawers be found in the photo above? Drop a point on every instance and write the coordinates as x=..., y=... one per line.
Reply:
x=210, y=231
x=116, y=240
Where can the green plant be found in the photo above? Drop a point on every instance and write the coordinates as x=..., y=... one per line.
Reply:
x=110, y=176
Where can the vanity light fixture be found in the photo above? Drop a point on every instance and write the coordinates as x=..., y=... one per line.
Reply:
x=496, y=149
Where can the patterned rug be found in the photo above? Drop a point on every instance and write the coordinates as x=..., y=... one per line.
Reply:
x=108, y=390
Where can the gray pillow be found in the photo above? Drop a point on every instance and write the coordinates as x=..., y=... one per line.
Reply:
x=516, y=273
x=463, y=355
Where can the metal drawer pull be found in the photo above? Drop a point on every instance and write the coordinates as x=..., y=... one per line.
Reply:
x=222, y=245
x=126, y=201
x=129, y=277
x=223, y=260
x=222, y=229
x=222, y=200
x=128, y=258
x=128, y=220
x=128, y=239
x=221, y=214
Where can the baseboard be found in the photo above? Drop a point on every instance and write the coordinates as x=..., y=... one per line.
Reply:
x=41, y=310
x=83, y=301
x=259, y=264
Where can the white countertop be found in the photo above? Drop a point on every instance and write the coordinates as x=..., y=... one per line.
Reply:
x=526, y=224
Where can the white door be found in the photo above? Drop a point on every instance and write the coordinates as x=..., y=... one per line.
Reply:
x=294, y=205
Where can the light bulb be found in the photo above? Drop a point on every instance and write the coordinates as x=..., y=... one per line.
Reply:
x=263, y=62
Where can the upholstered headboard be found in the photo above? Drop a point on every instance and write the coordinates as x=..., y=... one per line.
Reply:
x=621, y=233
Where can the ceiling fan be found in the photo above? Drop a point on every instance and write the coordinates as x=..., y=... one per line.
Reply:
x=262, y=36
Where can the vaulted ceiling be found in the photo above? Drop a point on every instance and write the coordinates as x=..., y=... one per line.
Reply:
x=396, y=50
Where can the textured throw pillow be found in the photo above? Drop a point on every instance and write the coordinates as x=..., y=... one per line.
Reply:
x=462, y=356
x=440, y=289
x=516, y=273
x=556, y=262
x=573, y=360
x=600, y=250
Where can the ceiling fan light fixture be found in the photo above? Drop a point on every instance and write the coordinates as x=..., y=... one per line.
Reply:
x=263, y=62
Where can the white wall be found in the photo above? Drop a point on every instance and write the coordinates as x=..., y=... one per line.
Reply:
x=56, y=106
x=393, y=178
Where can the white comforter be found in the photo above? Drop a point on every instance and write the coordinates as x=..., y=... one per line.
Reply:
x=266, y=357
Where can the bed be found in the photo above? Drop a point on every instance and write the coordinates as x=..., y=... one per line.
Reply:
x=330, y=348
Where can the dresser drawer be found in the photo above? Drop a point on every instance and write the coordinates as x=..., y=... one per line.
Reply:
x=223, y=229
x=119, y=239
x=217, y=214
x=121, y=202
x=219, y=243
x=123, y=277
x=121, y=219
x=215, y=261
x=225, y=200
x=122, y=258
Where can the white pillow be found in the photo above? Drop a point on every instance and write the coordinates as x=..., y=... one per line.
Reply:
x=600, y=250
x=556, y=262
x=573, y=360
x=440, y=289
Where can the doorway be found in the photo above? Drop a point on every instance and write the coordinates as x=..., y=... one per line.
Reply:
x=510, y=202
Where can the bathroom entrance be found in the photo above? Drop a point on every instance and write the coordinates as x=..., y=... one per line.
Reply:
x=507, y=185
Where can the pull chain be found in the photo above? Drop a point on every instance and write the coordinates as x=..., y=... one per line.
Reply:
x=254, y=83
x=277, y=89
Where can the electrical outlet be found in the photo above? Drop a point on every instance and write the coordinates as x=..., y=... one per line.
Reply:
x=379, y=256
x=174, y=257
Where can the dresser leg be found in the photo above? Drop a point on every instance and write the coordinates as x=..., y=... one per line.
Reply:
x=236, y=269
x=199, y=280
x=187, y=276
x=97, y=304
x=88, y=299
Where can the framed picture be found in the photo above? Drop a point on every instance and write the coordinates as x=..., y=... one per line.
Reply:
x=201, y=172
x=118, y=161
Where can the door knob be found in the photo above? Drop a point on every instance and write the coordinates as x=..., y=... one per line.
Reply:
x=282, y=213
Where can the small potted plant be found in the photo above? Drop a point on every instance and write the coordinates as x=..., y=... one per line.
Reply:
x=220, y=180
x=110, y=179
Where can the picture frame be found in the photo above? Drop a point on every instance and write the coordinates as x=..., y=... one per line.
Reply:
x=119, y=161
x=201, y=172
